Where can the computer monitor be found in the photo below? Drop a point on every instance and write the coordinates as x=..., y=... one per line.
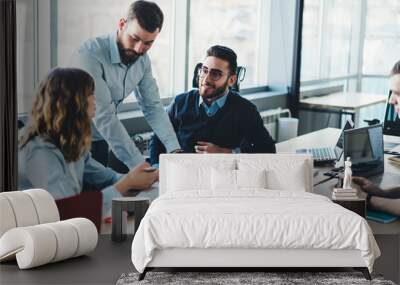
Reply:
x=391, y=124
x=365, y=148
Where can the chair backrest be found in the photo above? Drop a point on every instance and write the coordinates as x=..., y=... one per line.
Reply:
x=240, y=72
x=86, y=205
x=291, y=172
x=391, y=124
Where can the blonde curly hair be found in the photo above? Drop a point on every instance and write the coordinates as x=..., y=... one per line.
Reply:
x=60, y=112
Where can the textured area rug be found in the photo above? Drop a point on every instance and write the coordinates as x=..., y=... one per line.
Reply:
x=225, y=278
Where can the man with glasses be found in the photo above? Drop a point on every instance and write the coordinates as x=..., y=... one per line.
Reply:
x=119, y=64
x=215, y=119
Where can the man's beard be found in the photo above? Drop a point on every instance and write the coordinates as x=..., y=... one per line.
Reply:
x=216, y=93
x=128, y=56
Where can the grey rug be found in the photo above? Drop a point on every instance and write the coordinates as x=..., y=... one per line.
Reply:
x=225, y=278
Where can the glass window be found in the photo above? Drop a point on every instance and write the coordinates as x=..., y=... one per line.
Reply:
x=79, y=20
x=382, y=36
x=340, y=17
x=233, y=23
x=310, y=40
x=329, y=33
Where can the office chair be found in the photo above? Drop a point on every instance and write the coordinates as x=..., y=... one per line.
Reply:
x=390, y=119
x=240, y=72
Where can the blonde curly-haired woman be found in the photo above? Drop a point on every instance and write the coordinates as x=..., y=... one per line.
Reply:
x=54, y=147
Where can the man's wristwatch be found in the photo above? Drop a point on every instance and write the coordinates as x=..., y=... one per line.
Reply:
x=177, y=151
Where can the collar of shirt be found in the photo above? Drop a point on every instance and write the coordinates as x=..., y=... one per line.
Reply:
x=114, y=51
x=215, y=106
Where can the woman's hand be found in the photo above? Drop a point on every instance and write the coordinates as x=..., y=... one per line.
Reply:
x=139, y=178
x=367, y=186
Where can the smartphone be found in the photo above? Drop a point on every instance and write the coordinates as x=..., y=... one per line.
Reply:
x=150, y=169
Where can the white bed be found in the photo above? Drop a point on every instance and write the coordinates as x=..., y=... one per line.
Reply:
x=247, y=211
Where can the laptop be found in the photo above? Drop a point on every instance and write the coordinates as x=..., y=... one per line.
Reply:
x=365, y=148
x=328, y=154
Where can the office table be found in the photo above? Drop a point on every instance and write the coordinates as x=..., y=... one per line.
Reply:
x=342, y=103
x=386, y=235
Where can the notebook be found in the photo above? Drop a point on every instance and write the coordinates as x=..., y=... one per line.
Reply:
x=381, y=217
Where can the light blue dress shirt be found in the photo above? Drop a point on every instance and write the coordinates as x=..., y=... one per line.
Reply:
x=213, y=109
x=215, y=106
x=42, y=165
x=114, y=81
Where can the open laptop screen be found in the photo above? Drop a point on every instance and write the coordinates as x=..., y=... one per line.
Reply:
x=339, y=145
x=365, y=148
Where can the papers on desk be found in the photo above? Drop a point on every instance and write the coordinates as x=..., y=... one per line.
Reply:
x=388, y=146
x=395, y=160
x=395, y=148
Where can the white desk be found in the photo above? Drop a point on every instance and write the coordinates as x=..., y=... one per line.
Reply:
x=386, y=235
x=327, y=137
x=343, y=103
x=323, y=138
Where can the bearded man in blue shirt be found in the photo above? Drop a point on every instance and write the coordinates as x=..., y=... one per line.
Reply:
x=119, y=64
x=214, y=118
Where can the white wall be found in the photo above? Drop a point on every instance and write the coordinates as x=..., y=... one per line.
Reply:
x=25, y=54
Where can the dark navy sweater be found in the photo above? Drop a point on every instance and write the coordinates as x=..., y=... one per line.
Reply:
x=236, y=124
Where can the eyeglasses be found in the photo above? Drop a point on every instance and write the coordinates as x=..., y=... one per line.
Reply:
x=213, y=74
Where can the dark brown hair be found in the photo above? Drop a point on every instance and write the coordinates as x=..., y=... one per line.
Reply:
x=395, y=69
x=226, y=54
x=148, y=14
x=60, y=112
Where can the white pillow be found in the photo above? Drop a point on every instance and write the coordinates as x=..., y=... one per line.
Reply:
x=279, y=180
x=188, y=176
x=251, y=179
x=225, y=179
x=281, y=174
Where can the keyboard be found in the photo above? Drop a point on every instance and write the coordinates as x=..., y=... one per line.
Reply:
x=323, y=154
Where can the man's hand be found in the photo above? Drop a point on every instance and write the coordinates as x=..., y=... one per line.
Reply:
x=367, y=186
x=206, y=147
